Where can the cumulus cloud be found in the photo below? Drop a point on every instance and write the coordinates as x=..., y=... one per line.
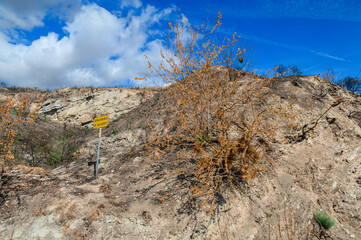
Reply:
x=25, y=14
x=99, y=49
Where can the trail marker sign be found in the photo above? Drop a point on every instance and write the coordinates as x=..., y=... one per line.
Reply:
x=100, y=122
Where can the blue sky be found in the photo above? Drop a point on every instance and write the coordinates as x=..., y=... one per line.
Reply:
x=58, y=43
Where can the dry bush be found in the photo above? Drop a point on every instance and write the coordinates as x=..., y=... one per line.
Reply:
x=43, y=144
x=329, y=75
x=222, y=124
x=245, y=59
x=290, y=70
x=11, y=114
x=352, y=84
x=282, y=70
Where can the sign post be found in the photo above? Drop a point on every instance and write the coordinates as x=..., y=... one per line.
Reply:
x=99, y=123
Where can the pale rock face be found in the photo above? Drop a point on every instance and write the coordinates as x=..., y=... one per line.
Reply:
x=81, y=106
x=51, y=105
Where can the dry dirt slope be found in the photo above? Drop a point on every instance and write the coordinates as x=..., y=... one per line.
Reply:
x=127, y=201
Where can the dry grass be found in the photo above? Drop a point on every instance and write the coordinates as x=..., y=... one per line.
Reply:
x=96, y=213
x=287, y=228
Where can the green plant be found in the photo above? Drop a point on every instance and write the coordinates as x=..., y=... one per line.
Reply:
x=324, y=220
x=115, y=131
x=14, y=152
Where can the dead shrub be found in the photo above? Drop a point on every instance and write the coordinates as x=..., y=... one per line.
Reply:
x=11, y=114
x=222, y=123
x=329, y=75
x=43, y=145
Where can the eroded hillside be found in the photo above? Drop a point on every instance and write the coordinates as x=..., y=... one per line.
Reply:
x=136, y=197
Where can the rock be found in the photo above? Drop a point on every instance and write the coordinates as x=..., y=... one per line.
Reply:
x=80, y=106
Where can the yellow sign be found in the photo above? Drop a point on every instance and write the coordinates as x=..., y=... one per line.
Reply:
x=100, y=122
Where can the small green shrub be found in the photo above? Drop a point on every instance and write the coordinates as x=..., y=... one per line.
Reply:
x=324, y=220
x=115, y=131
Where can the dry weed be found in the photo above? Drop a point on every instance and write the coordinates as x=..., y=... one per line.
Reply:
x=96, y=213
x=12, y=114
x=222, y=123
x=287, y=229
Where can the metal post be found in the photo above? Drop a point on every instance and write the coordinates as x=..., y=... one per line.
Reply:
x=97, y=162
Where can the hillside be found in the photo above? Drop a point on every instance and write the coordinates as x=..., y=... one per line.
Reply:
x=136, y=197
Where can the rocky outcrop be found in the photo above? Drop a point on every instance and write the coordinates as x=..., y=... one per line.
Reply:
x=81, y=106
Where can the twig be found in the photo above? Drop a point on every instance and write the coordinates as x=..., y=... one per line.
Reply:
x=305, y=131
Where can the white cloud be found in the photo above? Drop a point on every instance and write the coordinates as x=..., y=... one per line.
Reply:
x=130, y=3
x=9, y=19
x=99, y=49
x=25, y=14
